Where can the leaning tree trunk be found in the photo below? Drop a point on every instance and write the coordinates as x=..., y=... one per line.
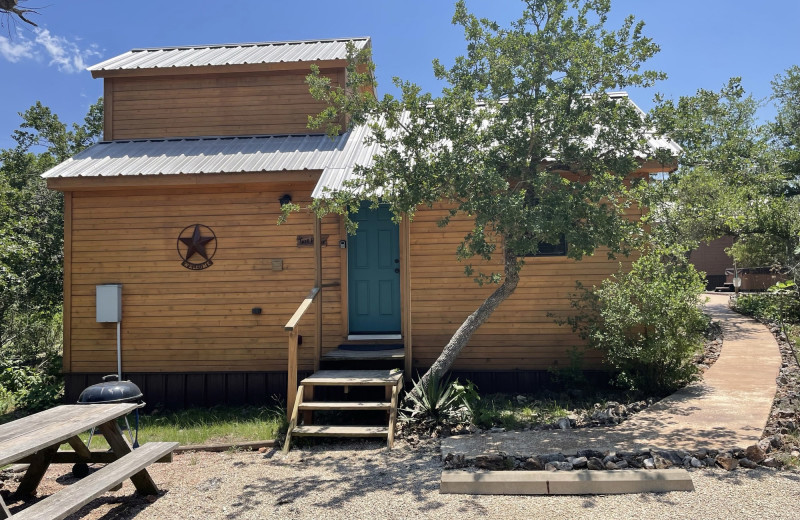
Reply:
x=462, y=336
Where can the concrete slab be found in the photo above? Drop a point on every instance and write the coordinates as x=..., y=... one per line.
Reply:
x=581, y=482
x=729, y=407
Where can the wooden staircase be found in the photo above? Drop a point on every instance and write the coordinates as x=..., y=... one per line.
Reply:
x=390, y=380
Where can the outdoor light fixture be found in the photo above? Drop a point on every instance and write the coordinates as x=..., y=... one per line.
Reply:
x=285, y=199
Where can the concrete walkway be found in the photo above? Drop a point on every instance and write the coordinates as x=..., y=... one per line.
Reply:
x=729, y=407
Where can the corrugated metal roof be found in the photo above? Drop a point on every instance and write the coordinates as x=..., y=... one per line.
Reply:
x=231, y=54
x=337, y=159
x=216, y=155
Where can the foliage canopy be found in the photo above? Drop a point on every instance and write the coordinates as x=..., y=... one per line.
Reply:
x=524, y=140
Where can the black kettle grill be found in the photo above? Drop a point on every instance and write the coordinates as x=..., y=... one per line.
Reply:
x=111, y=391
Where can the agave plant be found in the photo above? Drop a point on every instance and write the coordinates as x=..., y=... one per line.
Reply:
x=438, y=403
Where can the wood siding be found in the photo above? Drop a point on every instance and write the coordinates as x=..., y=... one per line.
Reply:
x=180, y=320
x=520, y=335
x=210, y=105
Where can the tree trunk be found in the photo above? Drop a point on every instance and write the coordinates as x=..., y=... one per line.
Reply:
x=462, y=336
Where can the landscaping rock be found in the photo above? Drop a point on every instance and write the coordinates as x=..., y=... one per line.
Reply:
x=649, y=464
x=610, y=465
x=755, y=454
x=552, y=457
x=771, y=462
x=590, y=453
x=532, y=464
x=594, y=464
x=727, y=461
x=563, y=423
x=579, y=462
x=701, y=454
x=660, y=462
x=490, y=461
x=747, y=463
x=695, y=462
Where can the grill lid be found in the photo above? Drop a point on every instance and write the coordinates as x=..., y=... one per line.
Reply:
x=111, y=392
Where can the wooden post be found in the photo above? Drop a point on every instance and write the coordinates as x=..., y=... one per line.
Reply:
x=291, y=374
x=318, y=283
x=405, y=293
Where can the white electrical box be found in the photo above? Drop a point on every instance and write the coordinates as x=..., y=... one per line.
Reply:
x=109, y=303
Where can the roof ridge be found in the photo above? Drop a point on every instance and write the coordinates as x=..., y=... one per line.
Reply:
x=249, y=44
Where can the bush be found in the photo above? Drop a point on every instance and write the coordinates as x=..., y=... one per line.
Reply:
x=781, y=303
x=30, y=361
x=647, y=322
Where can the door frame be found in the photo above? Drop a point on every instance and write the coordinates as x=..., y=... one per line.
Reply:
x=405, y=284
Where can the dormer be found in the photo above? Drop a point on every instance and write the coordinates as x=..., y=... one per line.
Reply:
x=217, y=90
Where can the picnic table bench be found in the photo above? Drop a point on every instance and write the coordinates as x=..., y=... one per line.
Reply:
x=35, y=440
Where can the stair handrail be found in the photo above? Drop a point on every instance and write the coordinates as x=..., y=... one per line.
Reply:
x=292, y=328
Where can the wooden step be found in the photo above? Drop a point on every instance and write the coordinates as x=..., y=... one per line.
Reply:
x=341, y=431
x=363, y=355
x=344, y=405
x=354, y=378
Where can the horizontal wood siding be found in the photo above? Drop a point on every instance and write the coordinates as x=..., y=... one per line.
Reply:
x=520, y=335
x=180, y=320
x=211, y=105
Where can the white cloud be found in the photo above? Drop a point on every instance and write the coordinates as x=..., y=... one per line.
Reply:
x=14, y=51
x=62, y=53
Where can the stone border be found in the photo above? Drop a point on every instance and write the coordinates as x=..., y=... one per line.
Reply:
x=750, y=457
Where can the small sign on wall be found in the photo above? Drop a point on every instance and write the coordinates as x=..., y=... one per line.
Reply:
x=308, y=240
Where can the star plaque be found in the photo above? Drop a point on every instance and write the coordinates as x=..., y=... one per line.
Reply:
x=197, y=245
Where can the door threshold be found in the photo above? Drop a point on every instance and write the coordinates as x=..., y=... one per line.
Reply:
x=373, y=337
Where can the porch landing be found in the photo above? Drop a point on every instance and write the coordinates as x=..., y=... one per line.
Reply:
x=364, y=355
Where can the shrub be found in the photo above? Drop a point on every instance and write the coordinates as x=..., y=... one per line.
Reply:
x=781, y=303
x=647, y=322
x=30, y=360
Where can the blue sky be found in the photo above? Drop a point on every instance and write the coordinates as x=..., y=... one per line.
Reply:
x=703, y=42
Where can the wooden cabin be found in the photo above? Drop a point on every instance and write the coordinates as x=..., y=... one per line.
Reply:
x=179, y=204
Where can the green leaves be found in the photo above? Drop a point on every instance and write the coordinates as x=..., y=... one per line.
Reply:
x=647, y=322
x=31, y=240
x=524, y=139
x=737, y=176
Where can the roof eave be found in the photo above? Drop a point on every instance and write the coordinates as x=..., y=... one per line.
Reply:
x=219, y=69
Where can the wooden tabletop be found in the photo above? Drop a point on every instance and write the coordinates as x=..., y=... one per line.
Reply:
x=54, y=426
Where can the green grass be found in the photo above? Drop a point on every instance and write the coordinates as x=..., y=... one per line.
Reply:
x=536, y=410
x=218, y=425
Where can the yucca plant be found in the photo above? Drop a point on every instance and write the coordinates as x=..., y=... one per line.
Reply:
x=438, y=402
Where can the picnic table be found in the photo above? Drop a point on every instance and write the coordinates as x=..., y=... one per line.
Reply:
x=35, y=440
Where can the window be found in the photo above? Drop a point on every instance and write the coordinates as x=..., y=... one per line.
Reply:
x=548, y=249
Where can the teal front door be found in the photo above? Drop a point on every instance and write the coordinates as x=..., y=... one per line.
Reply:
x=373, y=279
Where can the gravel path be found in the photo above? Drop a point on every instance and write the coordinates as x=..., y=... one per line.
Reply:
x=364, y=480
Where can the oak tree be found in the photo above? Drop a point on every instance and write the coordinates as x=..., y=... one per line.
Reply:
x=525, y=140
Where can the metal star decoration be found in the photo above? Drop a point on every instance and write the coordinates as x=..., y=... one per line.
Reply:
x=196, y=244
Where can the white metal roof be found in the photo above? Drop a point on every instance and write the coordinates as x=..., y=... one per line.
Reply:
x=216, y=155
x=231, y=54
x=336, y=158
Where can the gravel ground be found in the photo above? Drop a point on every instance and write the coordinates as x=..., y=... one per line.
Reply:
x=364, y=480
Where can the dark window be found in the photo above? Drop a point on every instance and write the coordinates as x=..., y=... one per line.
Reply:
x=548, y=249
